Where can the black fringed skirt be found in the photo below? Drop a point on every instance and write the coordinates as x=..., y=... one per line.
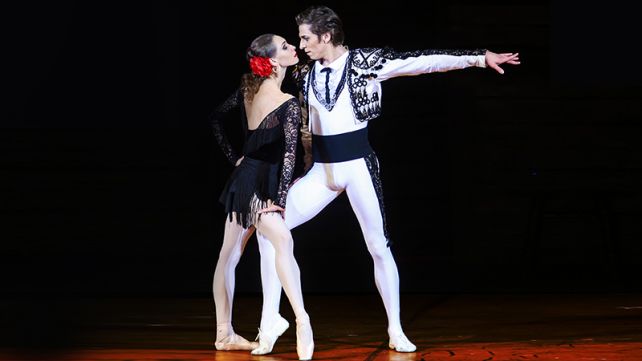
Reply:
x=251, y=185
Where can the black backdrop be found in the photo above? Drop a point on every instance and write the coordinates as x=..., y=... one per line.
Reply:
x=528, y=181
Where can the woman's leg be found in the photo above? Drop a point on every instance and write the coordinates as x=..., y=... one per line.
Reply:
x=234, y=241
x=272, y=227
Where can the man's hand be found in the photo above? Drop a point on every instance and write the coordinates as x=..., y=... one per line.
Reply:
x=307, y=162
x=493, y=60
x=306, y=141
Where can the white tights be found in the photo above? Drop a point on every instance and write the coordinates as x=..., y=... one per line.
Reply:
x=306, y=198
x=284, y=271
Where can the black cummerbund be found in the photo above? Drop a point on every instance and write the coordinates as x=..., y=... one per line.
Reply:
x=340, y=147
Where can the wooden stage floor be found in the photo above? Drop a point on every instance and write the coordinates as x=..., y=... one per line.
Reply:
x=347, y=327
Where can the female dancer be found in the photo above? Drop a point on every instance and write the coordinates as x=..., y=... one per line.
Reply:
x=255, y=193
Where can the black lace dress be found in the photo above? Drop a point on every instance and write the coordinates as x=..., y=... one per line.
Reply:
x=268, y=161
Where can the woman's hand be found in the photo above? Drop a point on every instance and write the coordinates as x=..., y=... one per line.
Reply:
x=272, y=208
x=239, y=161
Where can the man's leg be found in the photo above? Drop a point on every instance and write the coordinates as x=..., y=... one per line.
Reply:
x=364, y=193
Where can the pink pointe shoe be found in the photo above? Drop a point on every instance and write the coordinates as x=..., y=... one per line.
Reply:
x=304, y=339
x=234, y=342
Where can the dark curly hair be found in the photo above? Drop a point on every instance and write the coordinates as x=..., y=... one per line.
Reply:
x=322, y=20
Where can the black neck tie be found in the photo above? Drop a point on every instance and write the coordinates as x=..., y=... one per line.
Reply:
x=327, y=85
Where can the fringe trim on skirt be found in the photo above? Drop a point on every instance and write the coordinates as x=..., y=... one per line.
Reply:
x=247, y=191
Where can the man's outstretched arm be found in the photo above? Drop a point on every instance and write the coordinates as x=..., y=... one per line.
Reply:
x=395, y=64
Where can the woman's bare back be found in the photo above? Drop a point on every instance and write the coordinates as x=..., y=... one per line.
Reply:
x=265, y=101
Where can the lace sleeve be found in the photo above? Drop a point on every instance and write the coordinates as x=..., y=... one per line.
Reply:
x=215, y=121
x=290, y=128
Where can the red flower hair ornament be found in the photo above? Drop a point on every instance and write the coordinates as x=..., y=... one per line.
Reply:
x=261, y=66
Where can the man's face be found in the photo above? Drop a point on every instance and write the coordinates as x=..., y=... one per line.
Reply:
x=311, y=43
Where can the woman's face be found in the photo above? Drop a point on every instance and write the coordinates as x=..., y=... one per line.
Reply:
x=285, y=53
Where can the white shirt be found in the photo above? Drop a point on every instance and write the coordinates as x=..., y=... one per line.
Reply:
x=341, y=119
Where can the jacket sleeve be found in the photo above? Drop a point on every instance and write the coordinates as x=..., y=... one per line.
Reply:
x=394, y=64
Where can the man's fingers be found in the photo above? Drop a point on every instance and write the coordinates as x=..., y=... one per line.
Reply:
x=497, y=68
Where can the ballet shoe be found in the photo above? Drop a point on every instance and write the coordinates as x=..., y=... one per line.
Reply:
x=234, y=342
x=267, y=338
x=304, y=339
x=400, y=343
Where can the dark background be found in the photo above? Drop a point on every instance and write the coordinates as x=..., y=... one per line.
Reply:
x=523, y=182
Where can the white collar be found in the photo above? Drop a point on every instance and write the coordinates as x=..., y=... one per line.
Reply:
x=337, y=64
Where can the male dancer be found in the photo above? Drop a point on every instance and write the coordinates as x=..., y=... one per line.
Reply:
x=341, y=89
